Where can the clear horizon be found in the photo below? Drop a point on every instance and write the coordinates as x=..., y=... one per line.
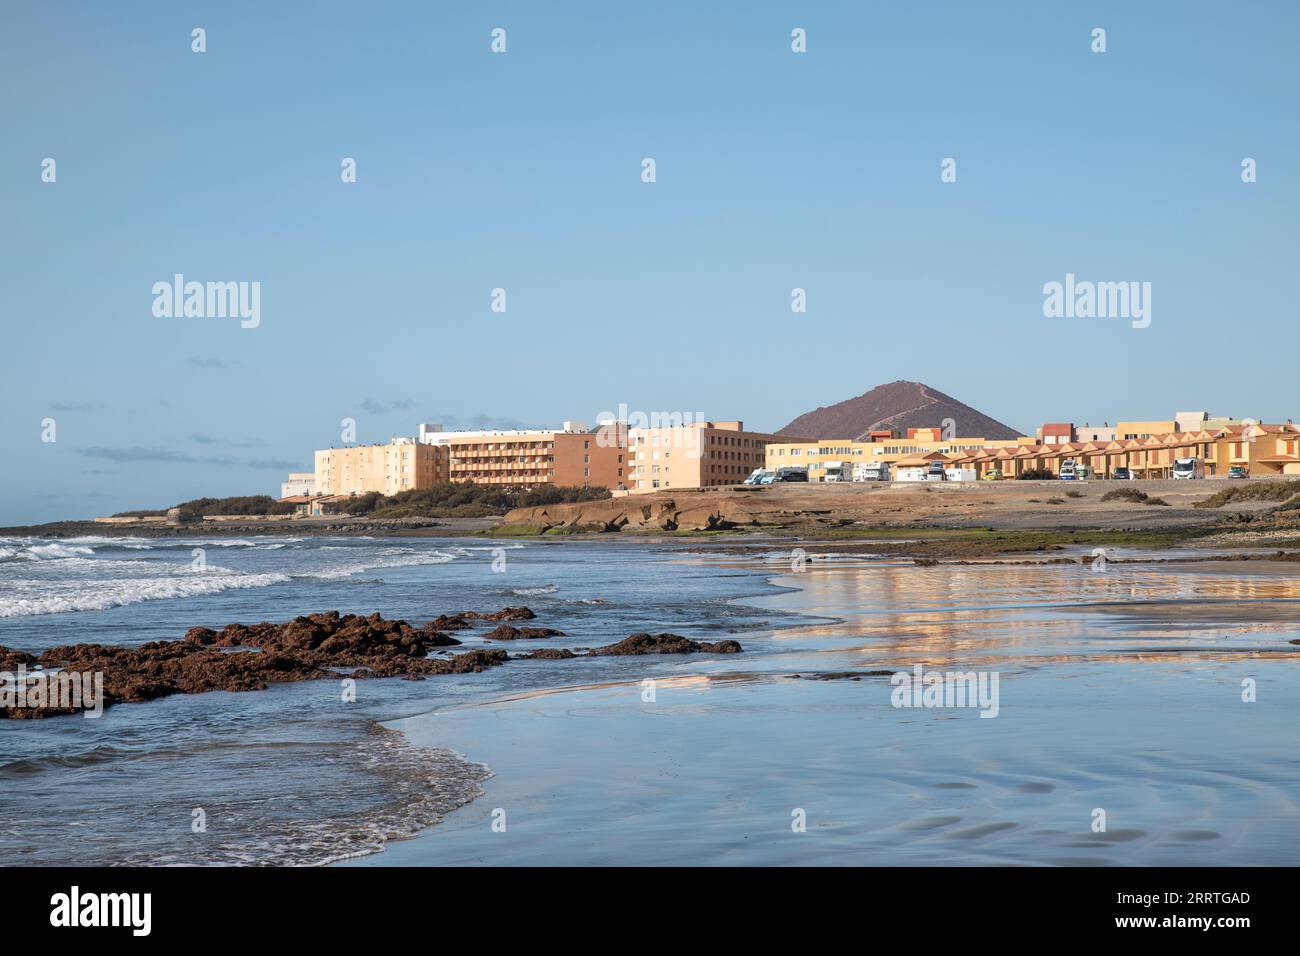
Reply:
x=522, y=171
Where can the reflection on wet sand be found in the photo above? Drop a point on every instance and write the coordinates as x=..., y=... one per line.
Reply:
x=1009, y=616
x=1122, y=692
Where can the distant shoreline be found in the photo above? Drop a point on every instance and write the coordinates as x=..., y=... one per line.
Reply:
x=947, y=521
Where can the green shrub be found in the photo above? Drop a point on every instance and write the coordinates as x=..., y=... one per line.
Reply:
x=242, y=505
x=464, y=499
x=1251, y=491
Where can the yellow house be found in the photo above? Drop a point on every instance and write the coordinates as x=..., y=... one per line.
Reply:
x=1263, y=450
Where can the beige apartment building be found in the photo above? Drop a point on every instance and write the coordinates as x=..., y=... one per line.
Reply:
x=697, y=455
x=572, y=455
x=401, y=465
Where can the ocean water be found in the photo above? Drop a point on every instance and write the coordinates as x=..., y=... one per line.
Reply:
x=292, y=774
x=1120, y=690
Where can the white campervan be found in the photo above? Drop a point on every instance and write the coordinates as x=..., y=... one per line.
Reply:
x=836, y=471
x=1189, y=468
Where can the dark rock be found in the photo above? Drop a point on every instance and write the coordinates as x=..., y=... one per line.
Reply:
x=548, y=654
x=314, y=647
x=507, y=632
x=11, y=659
x=448, y=622
x=642, y=643
x=842, y=675
x=505, y=614
x=439, y=639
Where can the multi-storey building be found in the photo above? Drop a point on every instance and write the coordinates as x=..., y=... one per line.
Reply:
x=572, y=455
x=401, y=465
x=699, y=454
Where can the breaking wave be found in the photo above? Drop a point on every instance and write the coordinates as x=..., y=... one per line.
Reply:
x=82, y=574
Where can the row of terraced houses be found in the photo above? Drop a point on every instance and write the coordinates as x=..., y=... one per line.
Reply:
x=1143, y=449
x=704, y=454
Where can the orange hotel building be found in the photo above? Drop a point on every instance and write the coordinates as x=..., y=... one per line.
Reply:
x=572, y=455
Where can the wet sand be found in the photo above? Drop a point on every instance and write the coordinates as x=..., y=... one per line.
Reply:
x=1118, y=691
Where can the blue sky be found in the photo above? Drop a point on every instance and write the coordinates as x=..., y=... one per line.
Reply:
x=522, y=171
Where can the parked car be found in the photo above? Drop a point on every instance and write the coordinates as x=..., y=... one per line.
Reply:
x=935, y=472
x=791, y=474
x=1121, y=474
x=1067, y=470
x=993, y=474
x=756, y=477
x=1238, y=471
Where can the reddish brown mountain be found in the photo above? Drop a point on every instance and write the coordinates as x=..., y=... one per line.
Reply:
x=898, y=405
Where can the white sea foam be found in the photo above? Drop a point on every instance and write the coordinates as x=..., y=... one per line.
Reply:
x=95, y=540
x=84, y=594
x=55, y=577
x=337, y=572
x=42, y=552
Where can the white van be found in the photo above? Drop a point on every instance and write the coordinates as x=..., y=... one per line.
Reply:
x=871, y=471
x=1189, y=468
